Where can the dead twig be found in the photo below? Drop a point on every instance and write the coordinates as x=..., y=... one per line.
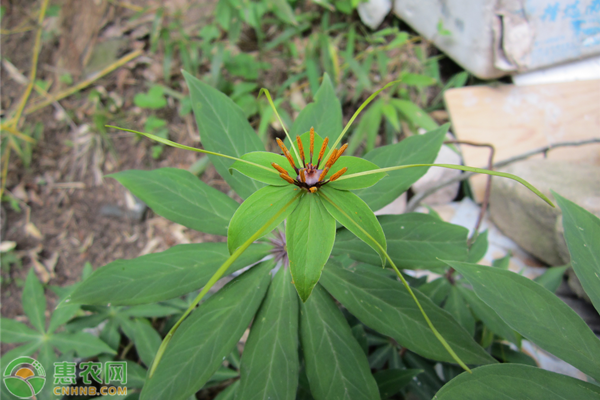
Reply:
x=417, y=199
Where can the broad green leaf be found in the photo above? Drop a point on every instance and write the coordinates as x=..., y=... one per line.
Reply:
x=456, y=306
x=414, y=241
x=350, y=211
x=310, y=234
x=324, y=114
x=155, y=310
x=147, y=341
x=386, y=306
x=136, y=375
x=489, y=317
x=181, y=197
x=229, y=392
x=336, y=366
x=61, y=316
x=223, y=129
x=16, y=332
x=380, y=356
x=427, y=383
x=582, y=233
x=34, y=301
x=354, y=165
x=552, y=278
x=270, y=363
x=265, y=159
x=516, y=382
x=258, y=209
x=413, y=150
x=207, y=336
x=537, y=314
x=160, y=276
x=84, y=344
x=478, y=248
x=414, y=114
x=391, y=381
x=437, y=290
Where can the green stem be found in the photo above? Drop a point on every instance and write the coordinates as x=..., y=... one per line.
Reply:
x=454, y=166
x=362, y=106
x=270, y=100
x=184, y=147
x=216, y=276
x=406, y=285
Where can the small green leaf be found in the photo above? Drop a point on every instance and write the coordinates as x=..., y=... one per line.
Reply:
x=414, y=241
x=324, y=114
x=16, y=332
x=310, y=234
x=224, y=129
x=414, y=114
x=207, y=336
x=181, y=197
x=353, y=213
x=552, y=278
x=270, y=363
x=489, y=317
x=160, y=276
x=582, y=233
x=153, y=100
x=456, y=306
x=391, y=381
x=536, y=314
x=260, y=174
x=83, y=343
x=413, y=150
x=417, y=79
x=478, y=248
x=336, y=366
x=147, y=341
x=505, y=354
x=516, y=382
x=354, y=165
x=61, y=316
x=34, y=301
x=386, y=306
x=258, y=209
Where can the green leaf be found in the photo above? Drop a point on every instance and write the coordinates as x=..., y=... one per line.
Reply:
x=413, y=150
x=414, y=241
x=258, y=209
x=181, y=197
x=270, y=363
x=354, y=165
x=552, y=278
x=536, y=314
x=16, y=332
x=437, y=290
x=489, y=317
x=456, y=306
x=505, y=354
x=336, y=366
x=478, y=248
x=516, y=382
x=83, y=343
x=207, y=336
x=417, y=80
x=386, y=306
x=324, y=114
x=229, y=392
x=224, y=129
x=414, y=114
x=353, y=213
x=260, y=174
x=147, y=341
x=153, y=100
x=160, y=276
x=391, y=381
x=310, y=234
x=582, y=233
x=61, y=316
x=34, y=301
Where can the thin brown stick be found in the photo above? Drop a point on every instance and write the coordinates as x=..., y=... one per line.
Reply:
x=417, y=199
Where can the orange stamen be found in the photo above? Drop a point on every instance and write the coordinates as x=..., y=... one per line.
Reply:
x=331, y=158
x=287, y=154
x=313, y=189
x=287, y=178
x=322, y=176
x=302, y=176
x=312, y=143
x=301, y=150
x=341, y=151
x=338, y=174
x=322, y=150
x=279, y=168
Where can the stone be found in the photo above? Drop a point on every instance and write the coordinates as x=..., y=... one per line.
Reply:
x=529, y=221
x=373, y=12
x=436, y=175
